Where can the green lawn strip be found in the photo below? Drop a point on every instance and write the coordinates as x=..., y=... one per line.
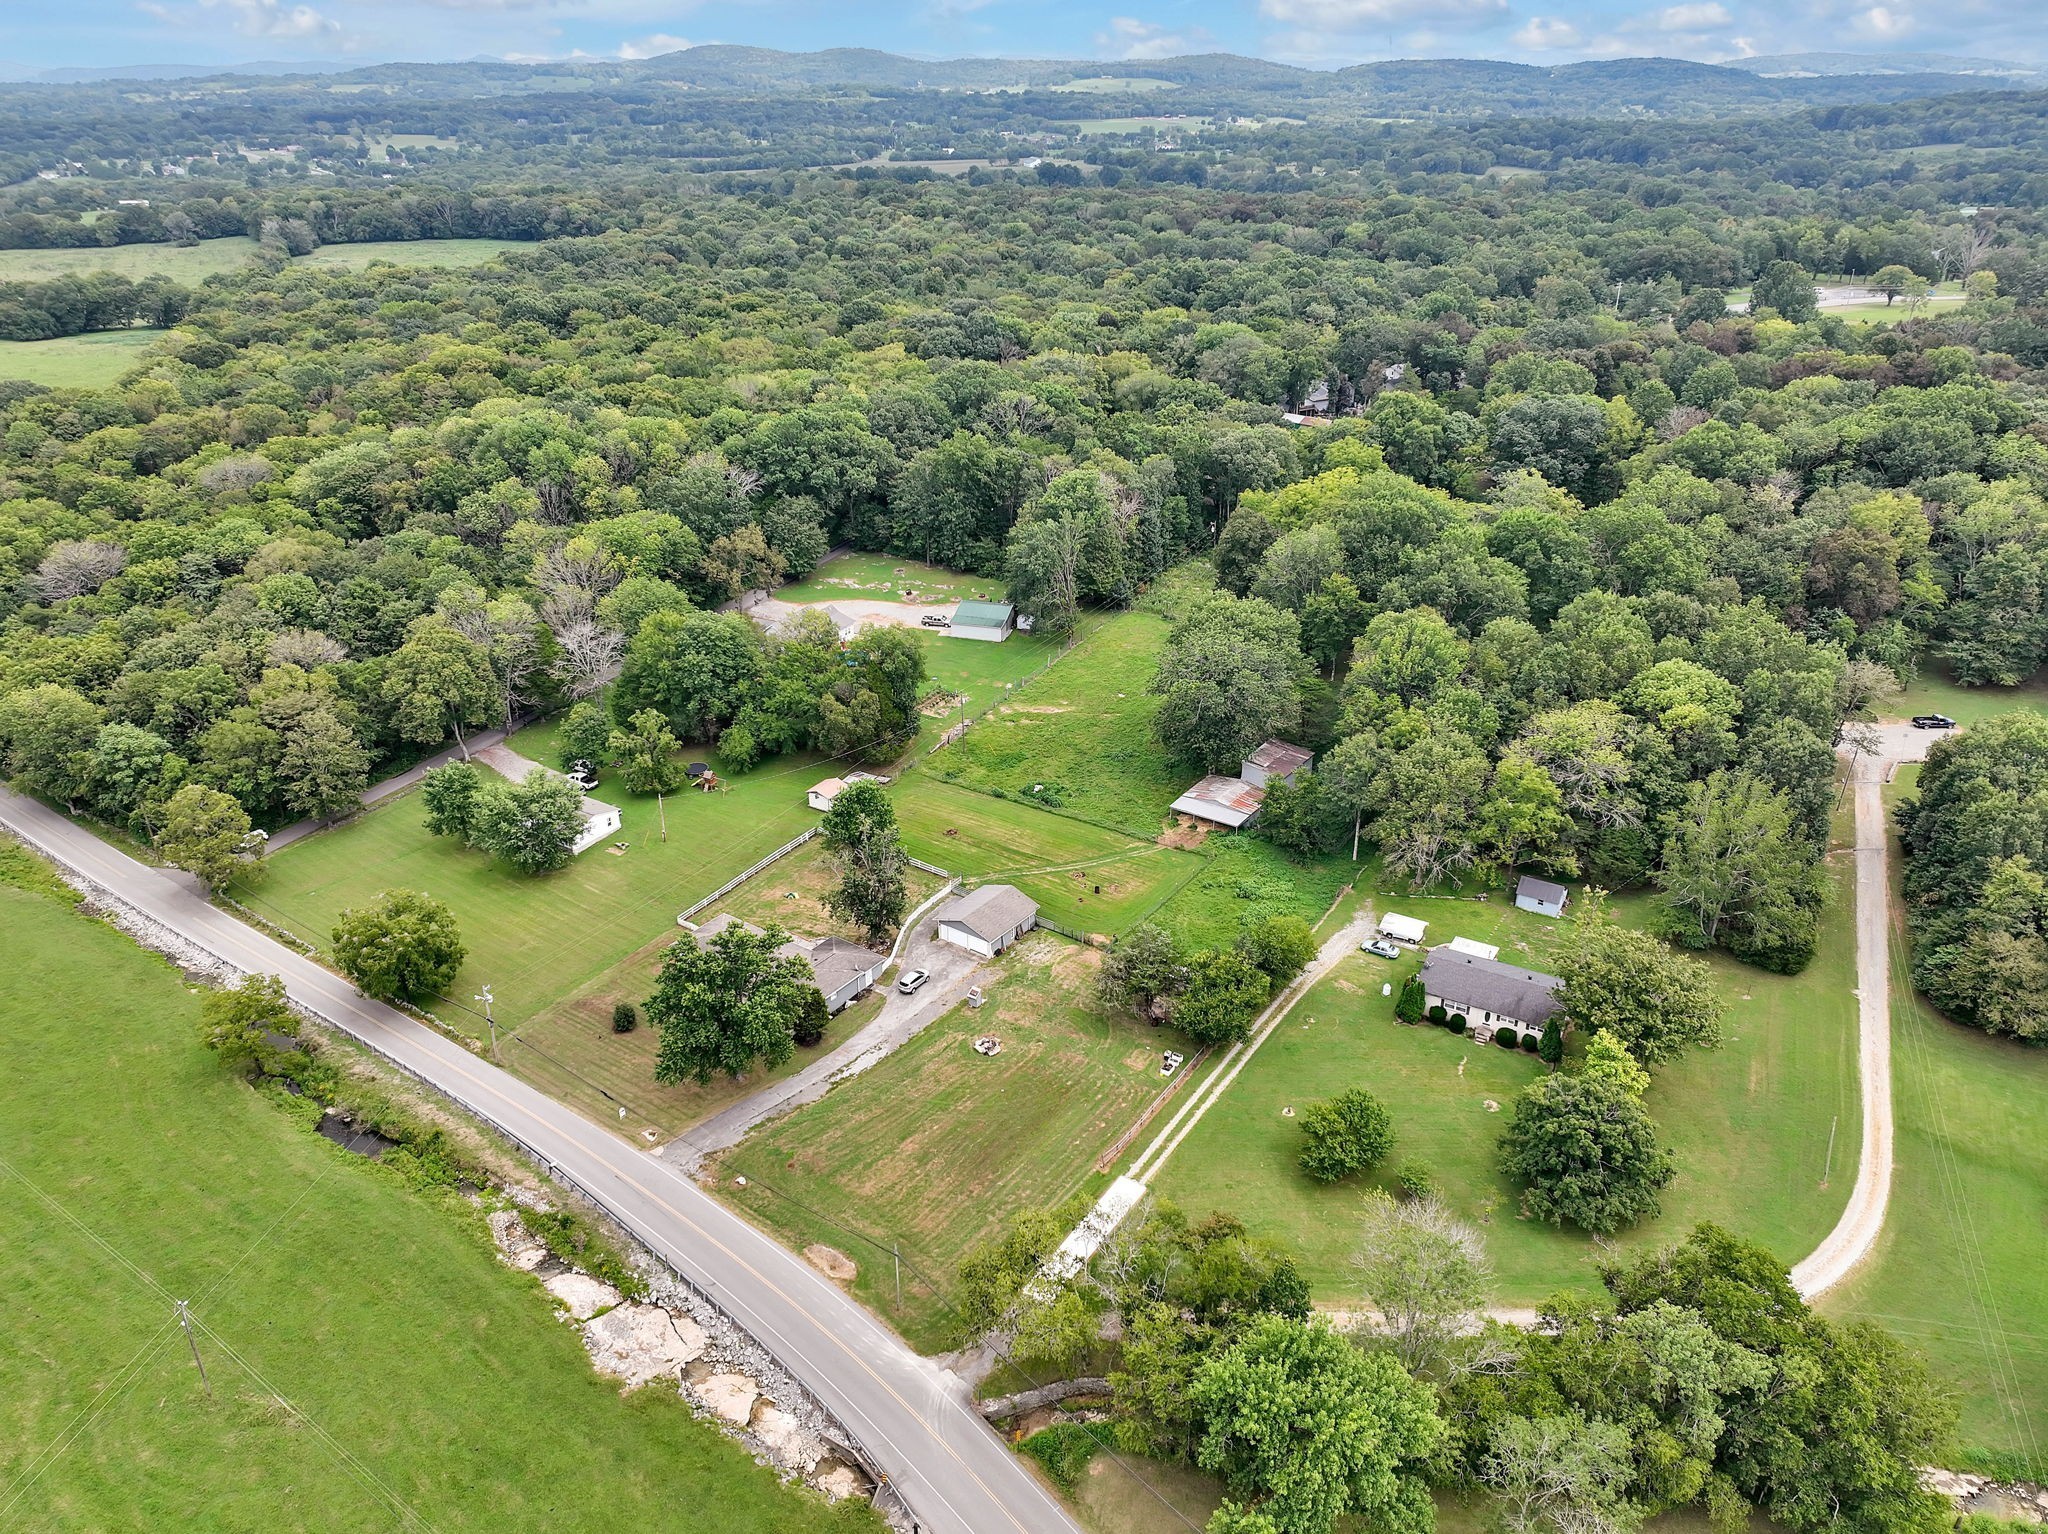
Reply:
x=380, y=1313
x=1958, y=1268
x=75, y=362
x=1748, y=1124
x=1086, y=878
x=535, y=940
x=982, y=674
x=178, y=263
x=570, y=1050
x=1083, y=733
x=934, y=1147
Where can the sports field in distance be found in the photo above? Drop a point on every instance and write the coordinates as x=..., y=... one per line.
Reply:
x=536, y=940
x=937, y=1145
x=1749, y=1123
x=382, y=1359
x=91, y=361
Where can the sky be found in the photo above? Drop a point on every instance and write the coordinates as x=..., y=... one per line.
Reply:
x=38, y=34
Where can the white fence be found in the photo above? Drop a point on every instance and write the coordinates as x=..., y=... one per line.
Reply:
x=734, y=883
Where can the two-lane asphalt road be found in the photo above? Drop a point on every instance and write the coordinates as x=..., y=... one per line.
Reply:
x=912, y=1419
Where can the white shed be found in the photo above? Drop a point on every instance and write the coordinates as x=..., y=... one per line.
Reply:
x=822, y=794
x=1402, y=929
x=987, y=920
x=994, y=621
x=1540, y=896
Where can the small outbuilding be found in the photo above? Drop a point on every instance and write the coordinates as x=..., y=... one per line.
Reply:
x=844, y=623
x=1540, y=896
x=1276, y=762
x=1403, y=929
x=1474, y=947
x=1488, y=994
x=994, y=621
x=987, y=920
x=821, y=795
x=1226, y=802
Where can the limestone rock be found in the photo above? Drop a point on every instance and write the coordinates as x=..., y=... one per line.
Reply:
x=729, y=1397
x=1951, y=1483
x=834, y=1264
x=785, y=1439
x=517, y=1245
x=641, y=1343
x=841, y=1482
x=581, y=1295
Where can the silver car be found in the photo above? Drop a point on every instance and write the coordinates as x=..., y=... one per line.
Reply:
x=908, y=984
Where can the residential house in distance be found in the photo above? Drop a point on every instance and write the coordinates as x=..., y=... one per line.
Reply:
x=1226, y=802
x=844, y=623
x=1488, y=994
x=987, y=920
x=1540, y=896
x=1275, y=761
x=843, y=971
x=994, y=621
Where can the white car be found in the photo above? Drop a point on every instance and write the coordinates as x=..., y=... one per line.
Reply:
x=1381, y=947
x=910, y=983
x=1170, y=1062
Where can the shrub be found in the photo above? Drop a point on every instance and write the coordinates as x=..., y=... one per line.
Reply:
x=1551, y=1049
x=625, y=1017
x=1408, y=1004
x=1064, y=1449
x=1349, y=1133
x=1439, y=1016
x=574, y=1241
x=1415, y=1181
x=809, y=1028
x=1457, y=1023
x=1531, y=1044
x=1507, y=1038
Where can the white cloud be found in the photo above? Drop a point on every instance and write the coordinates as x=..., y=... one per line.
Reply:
x=1542, y=32
x=1885, y=22
x=653, y=46
x=250, y=18
x=1130, y=38
x=1693, y=17
x=1353, y=15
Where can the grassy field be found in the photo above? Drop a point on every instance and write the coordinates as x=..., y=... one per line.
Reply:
x=571, y=1051
x=1083, y=876
x=1749, y=1123
x=179, y=263
x=1244, y=880
x=380, y=1354
x=934, y=1147
x=885, y=578
x=1118, y=125
x=1083, y=730
x=75, y=362
x=536, y=941
x=1958, y=1269
x=435, y=253
x=1103, y=85
x=1935, y=692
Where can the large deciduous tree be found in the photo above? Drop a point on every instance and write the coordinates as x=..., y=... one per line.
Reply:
x=438, y=682
x=1631, y=985
x=1230, y=678
x=1586, y=1151
x=866, y=849
x=207, y=834
x=721, y=1006
x=403, y=946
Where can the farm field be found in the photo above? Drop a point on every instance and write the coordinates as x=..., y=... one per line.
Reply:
x=179, y=263
x=417, y=1368
x=75, y=362
x=1115, y=84
x=1749, y=1124
x=570, y=1050
x=1958, y=1268
x=937, y=1145
x=535, y=941
x=432, y=253
x=1084, y=877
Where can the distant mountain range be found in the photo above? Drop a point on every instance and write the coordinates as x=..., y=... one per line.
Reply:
x=1464, y=87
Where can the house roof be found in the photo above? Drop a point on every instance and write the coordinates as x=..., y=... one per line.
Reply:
x=1474, y=947
x=828, y=786
x=833, y=960
x=1533, y=888
x=1214, y=798
x=1407, y=928
x=1465, y=980
x=1277, y=756
x=984, y=615
x=840, y=617
x=990, y=911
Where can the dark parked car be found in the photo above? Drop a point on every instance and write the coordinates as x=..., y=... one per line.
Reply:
x=1933, y=722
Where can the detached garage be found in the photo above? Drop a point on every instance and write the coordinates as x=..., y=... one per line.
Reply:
x=987, y=920
x=983, y=620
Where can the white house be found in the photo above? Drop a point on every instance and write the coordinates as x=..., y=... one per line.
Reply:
x=1275, y=762
x=822, y=794
x=600, y=820
x=843, y=971
x=987, y=920
x=1540, y=896
x=844, y=623
x=1402, y=929
x=983, y=620
x=1488, y=994
x=1226, y=802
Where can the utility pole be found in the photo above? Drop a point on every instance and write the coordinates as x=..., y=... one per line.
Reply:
x=896, y=1251
x=185, y=1320
x=661, y=804
x=484, y=996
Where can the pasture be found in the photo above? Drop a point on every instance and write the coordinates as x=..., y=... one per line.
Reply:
x=76, y=362
x=1105, y=85
x=178, y=263
x=1749, y=1124
x=427, y=253
x=372, y=1363
x=933, y=1148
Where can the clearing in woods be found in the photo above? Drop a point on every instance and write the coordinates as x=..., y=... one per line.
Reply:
x=90, y=361
x=376, y=1342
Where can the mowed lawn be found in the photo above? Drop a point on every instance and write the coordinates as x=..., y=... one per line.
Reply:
x=886, y=578
x=1083, y=732
x=418, y=1369
x=91, y=361
x=1936, y=692
x=1960, y=1267
x=937, y=1145
x=536, y=940
x=571, y=1051
x=1749, y=1123
x=1084, y=877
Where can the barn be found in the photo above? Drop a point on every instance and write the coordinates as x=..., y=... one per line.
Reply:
x=994, y=621
x=1226, y=802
